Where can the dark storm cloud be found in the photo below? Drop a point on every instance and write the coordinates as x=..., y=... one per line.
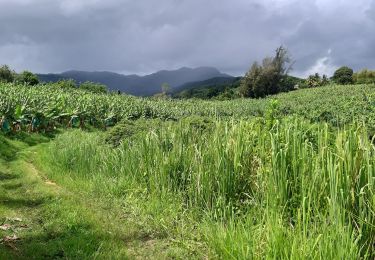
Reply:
x=143, y=36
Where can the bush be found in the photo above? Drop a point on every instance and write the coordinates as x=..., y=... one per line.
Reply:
x=364, y=76
x=128, y=129
x=6, y=74
x=289, y=83
x=315, y=80
x=199, y=123
x=28, y=78
x=94, y=87
x=228, y=94
x=343, y=75
x=66, y=84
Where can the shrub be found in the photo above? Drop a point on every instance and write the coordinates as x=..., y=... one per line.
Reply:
x=343, y=75
x=28, y=78
x=364, y=76
x=316, y=81
x=66, y=84
x=289, y=83
x=6, y=74
x=127, y=129
x=201, y=124
x=94, y=87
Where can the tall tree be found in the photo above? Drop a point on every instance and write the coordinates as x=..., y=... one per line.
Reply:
x=266, y=79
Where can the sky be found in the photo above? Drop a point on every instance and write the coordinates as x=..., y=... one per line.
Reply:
x=144, y=36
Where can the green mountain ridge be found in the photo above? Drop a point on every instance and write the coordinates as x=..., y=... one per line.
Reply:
x=147, y=85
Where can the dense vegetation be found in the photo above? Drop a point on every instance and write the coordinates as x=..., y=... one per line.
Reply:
x=226, y=89
x=54, y=105
x=267, y=78
x=364, y=76
x=7, y=75
x=290, y=176
x=343, y=75
x=217, y=88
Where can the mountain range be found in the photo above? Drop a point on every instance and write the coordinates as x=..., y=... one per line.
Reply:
x=141, y=85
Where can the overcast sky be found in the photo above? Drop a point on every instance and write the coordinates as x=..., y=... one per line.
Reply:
x=143, y=36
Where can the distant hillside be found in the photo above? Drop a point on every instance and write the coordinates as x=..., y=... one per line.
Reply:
x=139, y=85
x=217, y=81
x=224, y=87
x=207, y=88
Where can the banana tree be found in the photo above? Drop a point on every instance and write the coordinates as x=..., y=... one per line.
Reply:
x=38, y=122
x=21, y=118
x=5, y=125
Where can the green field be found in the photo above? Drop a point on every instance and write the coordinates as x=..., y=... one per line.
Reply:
x=335, y=104
x=286, y=177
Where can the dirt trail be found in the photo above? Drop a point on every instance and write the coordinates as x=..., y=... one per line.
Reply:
x=41, y=219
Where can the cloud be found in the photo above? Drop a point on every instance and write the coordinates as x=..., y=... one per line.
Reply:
x=323, y=66
x=144, y=36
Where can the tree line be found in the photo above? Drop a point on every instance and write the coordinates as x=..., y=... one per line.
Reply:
x=7, y=75
x=271, y=77
x=263, y=79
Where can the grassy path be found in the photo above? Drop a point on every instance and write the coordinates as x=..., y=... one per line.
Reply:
x=41, y=219
x=306, y=192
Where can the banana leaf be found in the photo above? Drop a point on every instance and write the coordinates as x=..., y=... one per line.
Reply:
x=5, y=125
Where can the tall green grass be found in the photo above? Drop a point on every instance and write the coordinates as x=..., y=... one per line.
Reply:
x=297, y=190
